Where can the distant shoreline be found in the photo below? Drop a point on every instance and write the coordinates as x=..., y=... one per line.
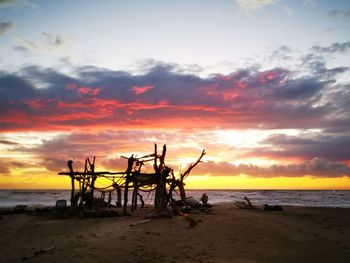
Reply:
x=301, y=198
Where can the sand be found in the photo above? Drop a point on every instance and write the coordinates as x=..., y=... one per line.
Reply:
x=228, y=234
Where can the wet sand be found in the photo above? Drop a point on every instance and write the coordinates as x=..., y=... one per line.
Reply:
x=228, y=234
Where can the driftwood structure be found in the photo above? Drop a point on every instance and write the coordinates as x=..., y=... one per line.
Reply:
x=161, y=181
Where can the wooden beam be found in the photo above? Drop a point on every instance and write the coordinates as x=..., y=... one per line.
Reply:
x=127, y=181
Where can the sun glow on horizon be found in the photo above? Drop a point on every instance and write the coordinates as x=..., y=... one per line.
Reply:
x=47, y=181
x=248, y=182
x=28, y=165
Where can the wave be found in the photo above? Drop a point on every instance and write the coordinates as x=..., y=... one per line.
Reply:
x=312, y=198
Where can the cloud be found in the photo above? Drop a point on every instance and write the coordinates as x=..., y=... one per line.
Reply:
x=288, y=10
x=107, y=119
x=50, y=43
x=255, y=4
x=339, y=14
x=316, y=61
x=315, y=167
x=305, y=146
x=15, y=3
x=6, y=142
x=21, y=49
x=281, y=53
x=108, y=147
x=117, y=164
x=334, y=48
x=37, y=98
x=57, y=165
x=54, y=40
x=142, y=89
x=165, y=96
x=310, y=2
x=5, y=27
x=4, y=168
x=5, y=3
x=24, y=45
x=18, y=164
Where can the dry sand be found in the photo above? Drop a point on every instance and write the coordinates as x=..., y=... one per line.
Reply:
x=228, y=234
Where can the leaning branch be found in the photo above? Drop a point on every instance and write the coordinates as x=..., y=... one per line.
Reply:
x=189, y=169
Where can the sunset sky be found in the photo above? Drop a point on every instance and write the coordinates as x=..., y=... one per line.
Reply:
x=262, y=85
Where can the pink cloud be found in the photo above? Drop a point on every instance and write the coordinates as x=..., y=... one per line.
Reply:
x=89, y=91
x=38, y=103
x=315, y=167
x=271, y=75
x=71, y=86
x=141, y=89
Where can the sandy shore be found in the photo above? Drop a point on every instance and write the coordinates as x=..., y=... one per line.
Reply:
x=228, y=234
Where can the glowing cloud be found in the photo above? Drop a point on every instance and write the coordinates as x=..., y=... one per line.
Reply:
x=141, y=89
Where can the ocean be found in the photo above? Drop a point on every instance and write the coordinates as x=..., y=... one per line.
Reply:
x=310, y=198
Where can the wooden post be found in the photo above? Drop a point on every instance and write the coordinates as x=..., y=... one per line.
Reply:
x=136, y=193
x=93, y=176
x=155, y=156
x=119, y=195
x=127, y=181
x=134, y=197
x=70, y=166
x=141, y=199
x=160, y=195
x=109, y=198
x=182, y=191
x=83, y=184
x=162, y=157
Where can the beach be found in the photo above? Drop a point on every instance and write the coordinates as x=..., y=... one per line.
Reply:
x=227, y=234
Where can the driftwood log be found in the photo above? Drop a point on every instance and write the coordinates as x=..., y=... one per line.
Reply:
x=245, y=204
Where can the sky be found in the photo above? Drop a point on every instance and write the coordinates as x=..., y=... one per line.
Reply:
x=262, y=85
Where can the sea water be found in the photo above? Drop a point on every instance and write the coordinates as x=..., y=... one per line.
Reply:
x=311, y=198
